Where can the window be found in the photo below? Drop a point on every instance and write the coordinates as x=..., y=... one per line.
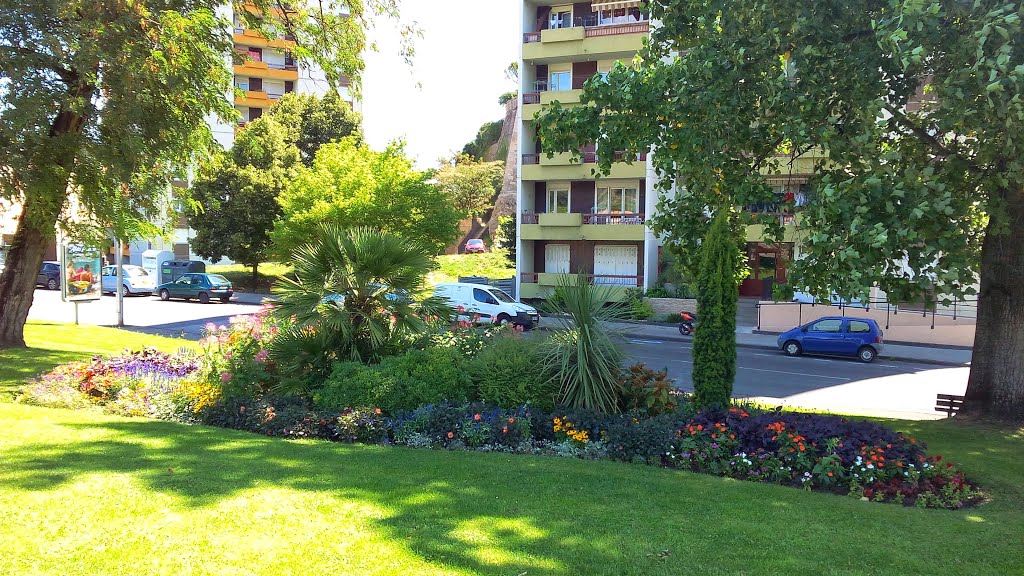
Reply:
x=617, y=200
x=184, y=280
x=560, y=81
x=558, y=201
x=500, y=295
x=830, y=326
x=483, y=296
x=858, y=327
x=561, y=17
x=197, y=280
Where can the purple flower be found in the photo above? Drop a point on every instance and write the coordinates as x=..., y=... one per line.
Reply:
x=225, y=377
x=714, y=445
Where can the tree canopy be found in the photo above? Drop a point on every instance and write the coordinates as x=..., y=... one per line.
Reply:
x=915, y=104
x=105, y=100
x=470, y=185
x=312, y=121
x=351, y=185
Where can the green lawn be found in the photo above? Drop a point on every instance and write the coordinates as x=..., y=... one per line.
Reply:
x=52, y=343
x=241, y=276
x=489, y=265
x=86, y=493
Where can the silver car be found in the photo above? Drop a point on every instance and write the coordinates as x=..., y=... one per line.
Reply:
x=136, y=280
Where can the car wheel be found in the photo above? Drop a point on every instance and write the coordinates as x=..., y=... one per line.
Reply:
x=866, y=354
x=51, y=284
x=165, y=295
x=792, y=348
x=204, y=298
x=125, y=291
x=502, y=319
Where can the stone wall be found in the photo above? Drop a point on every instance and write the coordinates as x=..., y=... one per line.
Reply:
x=664, y=306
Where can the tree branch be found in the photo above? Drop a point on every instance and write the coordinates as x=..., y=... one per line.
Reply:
x=934, y=143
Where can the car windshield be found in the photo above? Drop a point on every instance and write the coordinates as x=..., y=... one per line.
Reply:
x=217, y=278
x=502, y=296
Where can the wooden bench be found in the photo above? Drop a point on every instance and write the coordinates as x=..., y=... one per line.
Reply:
x=948, y=403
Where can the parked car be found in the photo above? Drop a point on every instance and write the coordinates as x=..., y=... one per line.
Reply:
x=490, y=304
x=135, y=280
x=202, y=287
x=475, y=246
x=834, y=336
x=49, y=275
x=392, y=295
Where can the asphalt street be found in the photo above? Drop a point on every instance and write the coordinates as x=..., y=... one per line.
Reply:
x=146, y=314
x=894, y=387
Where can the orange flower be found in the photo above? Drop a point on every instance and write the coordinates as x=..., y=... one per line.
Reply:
x=376, y=410
x=451, y=435
x=830, y=474
x=700, y=426
x=511, y=420
x=476, y=417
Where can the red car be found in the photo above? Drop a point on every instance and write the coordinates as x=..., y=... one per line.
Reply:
x=475, y=246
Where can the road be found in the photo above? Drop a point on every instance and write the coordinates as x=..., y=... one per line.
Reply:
x=884, y=388
x=141, y=313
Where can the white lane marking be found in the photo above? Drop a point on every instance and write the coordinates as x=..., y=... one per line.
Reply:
x=646, y=341
x=793, y=373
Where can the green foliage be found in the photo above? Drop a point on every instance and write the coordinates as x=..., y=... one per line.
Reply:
x=506, y=237
x=351, y=185
x=714, y=343
x=469, y=184
x=509, y=372
x=639, y=308
x=349, y=300
x=269, y=274
x=508, y=97
x=313, y=121
x=585, y=355
x=649, y=391
x=487, y=136
x=397, y=383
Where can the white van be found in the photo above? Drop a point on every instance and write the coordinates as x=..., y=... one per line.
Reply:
x=491, y=304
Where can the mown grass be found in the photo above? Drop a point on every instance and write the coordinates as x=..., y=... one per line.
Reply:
x=489, y=265
x=241, y=276
x=51, y=343
x=92, y=494
x=87, y=493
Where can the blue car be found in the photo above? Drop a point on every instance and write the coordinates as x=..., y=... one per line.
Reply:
x=834, y=336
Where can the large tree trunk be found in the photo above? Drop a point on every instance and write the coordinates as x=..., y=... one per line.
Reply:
x=18, y=281
x=996, y=384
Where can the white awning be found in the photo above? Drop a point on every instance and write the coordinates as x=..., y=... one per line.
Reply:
x=598, y=6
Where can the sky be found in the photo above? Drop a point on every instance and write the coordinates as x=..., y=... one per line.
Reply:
x=457, y=75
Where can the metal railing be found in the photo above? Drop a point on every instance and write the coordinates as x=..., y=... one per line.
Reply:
x=530, y=37
x=613, y=280
x=957, y=309
x=531, y=158
x=529, y=218
x=613, y=218
x=540, y=86
x=531, y=98
x=284, y=66
x=618, y=28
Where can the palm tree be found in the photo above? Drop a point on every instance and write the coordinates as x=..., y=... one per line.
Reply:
x=585, y=355
x=351, y=298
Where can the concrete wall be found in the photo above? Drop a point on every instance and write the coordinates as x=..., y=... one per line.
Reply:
x=663, y=306
x=898, y=326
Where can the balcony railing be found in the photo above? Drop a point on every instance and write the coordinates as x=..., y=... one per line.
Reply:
x=613, y=218
x=531, y=98
x=530, y=218
x=615, y=30
x=540, y=86
x=596, y=26
x=275, y=95
x=531, y=37
x=284, y=66
x=531, y=158
x=623, y=157
x=613, y=280
x=528, y=277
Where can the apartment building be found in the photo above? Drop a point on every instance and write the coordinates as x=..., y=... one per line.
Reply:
x=568, y=220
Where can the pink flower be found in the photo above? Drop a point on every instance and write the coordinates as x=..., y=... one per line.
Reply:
x=210, y=326
x=261, y=356
x=228, y=355
x=222, y=327
x=225, y=377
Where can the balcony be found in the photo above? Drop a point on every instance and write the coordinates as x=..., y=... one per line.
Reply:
x=588, y=37
x=249, y=37
x=258, y=69
x=538, y=167
x=578, y=226
x=541, y=284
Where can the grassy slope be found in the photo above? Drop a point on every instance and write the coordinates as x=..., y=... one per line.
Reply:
x=241, y=276
x=489, y=265
x=52, y=343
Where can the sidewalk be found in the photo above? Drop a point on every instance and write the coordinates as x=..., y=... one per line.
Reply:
x=745, y=337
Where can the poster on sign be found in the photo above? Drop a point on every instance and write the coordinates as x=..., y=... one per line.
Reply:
x=80, y=269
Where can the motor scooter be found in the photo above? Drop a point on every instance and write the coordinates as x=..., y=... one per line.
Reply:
x=688, y=323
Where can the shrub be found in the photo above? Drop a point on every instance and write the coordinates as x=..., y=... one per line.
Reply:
x=641, y=309
x=672, y=318
x=584, y=355
x=283, y=417
x=403, y=382
x=660, y=292
x=236, y=357
x=510, y=372
x=468, y=425
x=647, y=390
x=714, y=344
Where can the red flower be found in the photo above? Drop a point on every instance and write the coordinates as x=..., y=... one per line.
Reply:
x=938, y=458
x=511, y=420
x=451, y=435
x=732, y=436
x=376, y=410
x=476, y=417
x=830, y=474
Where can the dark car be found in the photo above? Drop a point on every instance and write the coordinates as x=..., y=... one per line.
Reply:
x=49, y=275
x=834, y=336
x=202, y=287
